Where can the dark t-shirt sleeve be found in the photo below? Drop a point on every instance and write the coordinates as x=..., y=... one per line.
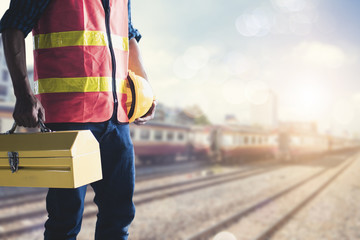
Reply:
x=23, y=15
x=133, y=32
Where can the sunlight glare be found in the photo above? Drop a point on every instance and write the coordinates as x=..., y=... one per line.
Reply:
x=256, y=23
x=257, y=92
x=320, y=54
x=233, y=91
x=343, y=112
x=309, y=100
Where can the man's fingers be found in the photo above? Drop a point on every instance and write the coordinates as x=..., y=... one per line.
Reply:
x=41, y=114
x=34, y=120
x=28, y=112
x=19, y=121
x=148, y=116
x=143, y=120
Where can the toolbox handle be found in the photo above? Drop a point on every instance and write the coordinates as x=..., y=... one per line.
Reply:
x=43, y=128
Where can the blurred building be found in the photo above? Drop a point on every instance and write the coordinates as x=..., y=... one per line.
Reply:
x=6, y=93
x=231, y=119
x=266, y=114
x=7, y=97
x=6, y=89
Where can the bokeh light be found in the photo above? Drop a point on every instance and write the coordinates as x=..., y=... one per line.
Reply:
x=225, y=236
x=182, y=70
x=196, y=57
x=237, y=63
x=255, y=23
x=290, y=5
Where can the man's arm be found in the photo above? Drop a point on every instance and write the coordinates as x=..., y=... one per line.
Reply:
x=135, y=61
x=28, y=109
x=136, y=65
x=15, y=25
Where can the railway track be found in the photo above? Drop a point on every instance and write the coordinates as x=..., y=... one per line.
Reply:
x=35, y=195
x=145, y=173
x=141, y=196
x=212, y=230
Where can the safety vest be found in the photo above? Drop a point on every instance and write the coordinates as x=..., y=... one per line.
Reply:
x=81, y=60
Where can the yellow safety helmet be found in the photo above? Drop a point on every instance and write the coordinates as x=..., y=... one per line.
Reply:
x=139, y=96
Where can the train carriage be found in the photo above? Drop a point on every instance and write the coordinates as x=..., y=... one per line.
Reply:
x=156, y=142
x=239, y=143
x=201, y=142
x=295, y=145
x=159, y=142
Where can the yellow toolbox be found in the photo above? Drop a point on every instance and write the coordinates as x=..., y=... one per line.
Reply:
x=64, y=159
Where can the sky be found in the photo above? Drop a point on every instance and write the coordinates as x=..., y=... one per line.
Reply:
x=225, y=56
x=230, y=57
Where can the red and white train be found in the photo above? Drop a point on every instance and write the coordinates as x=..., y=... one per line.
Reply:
x=158, y=142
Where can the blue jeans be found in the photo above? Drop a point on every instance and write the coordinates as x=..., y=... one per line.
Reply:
x=113, y=194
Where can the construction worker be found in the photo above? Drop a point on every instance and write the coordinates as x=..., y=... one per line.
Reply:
x=82, y=53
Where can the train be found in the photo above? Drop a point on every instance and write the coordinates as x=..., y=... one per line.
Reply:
x=157, y=142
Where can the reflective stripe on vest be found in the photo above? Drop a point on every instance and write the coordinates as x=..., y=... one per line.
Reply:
x=73, y=67
x=79, y=38
x=84, y=84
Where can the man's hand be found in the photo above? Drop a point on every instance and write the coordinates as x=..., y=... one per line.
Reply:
x=148, y=116
x=28, y=111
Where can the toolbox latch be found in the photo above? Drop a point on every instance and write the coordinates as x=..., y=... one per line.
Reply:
x=13, y=161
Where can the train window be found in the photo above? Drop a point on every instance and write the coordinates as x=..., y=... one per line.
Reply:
x=260, y=140
x=158, y=135
x=246, y=140
x=266, y=139
x=253, y=141
x=170, y=136
x=180, y=136
x=145, y=134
